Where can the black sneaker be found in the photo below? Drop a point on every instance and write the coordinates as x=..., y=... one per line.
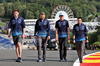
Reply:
x=60, y=60
x=19, y=60
x=81, y=61
x=84, y=53
x=39, y=60
x=44, y=60
x=65, y=60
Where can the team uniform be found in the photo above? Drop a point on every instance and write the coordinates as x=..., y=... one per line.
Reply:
x=42, y=31
x=62, y=35
x=80, y=32
x=16, y=26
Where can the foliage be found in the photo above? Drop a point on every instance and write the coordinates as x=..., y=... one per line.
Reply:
x=2, y=24
x=30, y=9
x=96, y=43
x=95, y=36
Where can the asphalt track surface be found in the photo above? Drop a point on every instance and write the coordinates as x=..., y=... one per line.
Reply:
x=29, y=57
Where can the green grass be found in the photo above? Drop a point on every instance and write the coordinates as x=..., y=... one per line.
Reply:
x=2, y=24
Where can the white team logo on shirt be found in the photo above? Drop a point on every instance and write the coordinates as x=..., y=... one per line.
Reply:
x=59, y=24
x=19, y=21
x=13, y=22
x=77, y=28
x=82, y=27
x=45, y=23
x=64, y=23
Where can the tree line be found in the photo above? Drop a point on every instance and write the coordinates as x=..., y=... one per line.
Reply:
x=30, y=9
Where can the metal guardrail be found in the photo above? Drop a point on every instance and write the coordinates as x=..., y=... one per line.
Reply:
x=31, y=23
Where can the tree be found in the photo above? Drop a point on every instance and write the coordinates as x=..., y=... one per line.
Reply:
x=28, y=14
x=37, y=14
x=81, y=8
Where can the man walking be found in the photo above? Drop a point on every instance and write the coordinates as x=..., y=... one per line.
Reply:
x=62, y=35
x=79, y=37
x=17, y=27
x=42, y=31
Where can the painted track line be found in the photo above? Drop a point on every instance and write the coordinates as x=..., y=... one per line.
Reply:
x=77, y=63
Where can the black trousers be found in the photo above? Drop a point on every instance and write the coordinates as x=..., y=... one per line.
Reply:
x=63, y=46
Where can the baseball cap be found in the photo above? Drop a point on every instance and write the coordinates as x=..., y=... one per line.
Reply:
x=61, y=14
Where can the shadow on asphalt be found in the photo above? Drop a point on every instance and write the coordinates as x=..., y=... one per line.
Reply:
x=7, y=60
x=46, y=57
x=33, y=60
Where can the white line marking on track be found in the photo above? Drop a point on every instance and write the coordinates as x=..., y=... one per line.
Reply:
x=77, y=63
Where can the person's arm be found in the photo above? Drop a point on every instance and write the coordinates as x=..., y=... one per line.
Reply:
x=49, y=31
x=57, y=35
x=68, y=30
x=23, y=26
x=35, y=30
x=74, y=34
x=56, y=32
x=86, y=35
x=9, y=28
x=74, y=39
x=23, y=33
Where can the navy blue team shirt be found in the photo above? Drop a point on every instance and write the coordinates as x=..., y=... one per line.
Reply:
x=16, y=26
x=42, y=28
x=80, y=32
x=62, y=28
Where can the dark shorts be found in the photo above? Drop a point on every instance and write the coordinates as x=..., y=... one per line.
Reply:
x=17, y=39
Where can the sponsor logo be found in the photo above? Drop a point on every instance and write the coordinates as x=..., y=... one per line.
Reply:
x=82, y=27
x=64, y=23
x=19, y=21
x=59, y=24
x=45, y=23
x=13, y=22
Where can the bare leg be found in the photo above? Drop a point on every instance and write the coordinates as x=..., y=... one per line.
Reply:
x=19, y=49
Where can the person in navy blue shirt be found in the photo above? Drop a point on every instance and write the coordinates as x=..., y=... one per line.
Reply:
x=62, y=35
x=42, y=31
x=17, y=27
x=79, y=37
